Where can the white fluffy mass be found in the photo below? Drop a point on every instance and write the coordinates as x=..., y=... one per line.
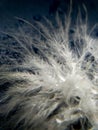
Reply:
x=49, y=77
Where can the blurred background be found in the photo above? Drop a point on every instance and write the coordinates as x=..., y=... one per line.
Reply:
x=35, y=9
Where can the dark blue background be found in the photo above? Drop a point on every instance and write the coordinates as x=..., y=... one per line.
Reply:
x=30, y=8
